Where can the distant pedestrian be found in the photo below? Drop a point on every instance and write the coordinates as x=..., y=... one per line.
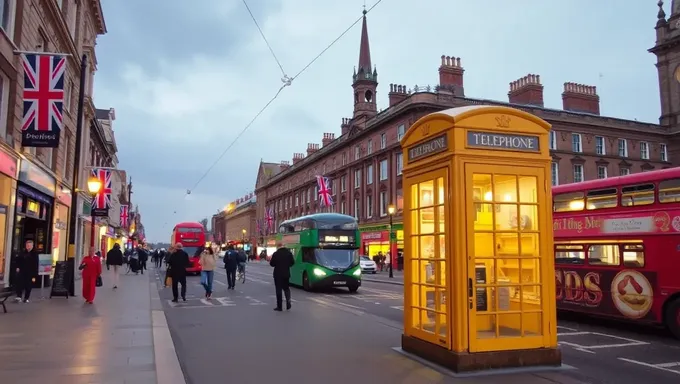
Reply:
x=282, y=260
x=92, y=269
x=231, y=264
x=208, y=262
x=177, y=268
x=26, y=272
x=114, y=258
x=143, y=257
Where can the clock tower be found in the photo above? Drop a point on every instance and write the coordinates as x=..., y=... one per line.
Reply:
x=667, y=51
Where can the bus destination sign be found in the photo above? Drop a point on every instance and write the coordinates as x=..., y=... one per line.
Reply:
x=501, y=141
x=290, y=239
x=337, y=239
x=428, y=148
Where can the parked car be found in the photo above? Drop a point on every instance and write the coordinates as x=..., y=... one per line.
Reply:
x=367, y=265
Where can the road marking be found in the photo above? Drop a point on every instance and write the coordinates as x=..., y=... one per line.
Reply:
x=589, y=348
x=343, y=307
x=207, y=302
x=655, y=366
x=668, y=365
x=219, y=282
x=349, y=305
x=225, y=301
x=255, y=301
x=575, y=346
x=566, y=328
x=398, y=307
x=572, y=333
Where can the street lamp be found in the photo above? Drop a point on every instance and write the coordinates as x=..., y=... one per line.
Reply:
x=244, y=237
x=390, y=210
x=94, y=185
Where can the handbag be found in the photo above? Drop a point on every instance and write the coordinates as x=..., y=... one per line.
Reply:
x=99, y=282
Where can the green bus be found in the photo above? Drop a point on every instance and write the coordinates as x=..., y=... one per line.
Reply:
x=326, y=249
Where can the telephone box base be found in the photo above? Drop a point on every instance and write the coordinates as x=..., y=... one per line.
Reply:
x=481, y=361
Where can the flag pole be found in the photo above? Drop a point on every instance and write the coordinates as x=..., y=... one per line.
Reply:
x=73, y=220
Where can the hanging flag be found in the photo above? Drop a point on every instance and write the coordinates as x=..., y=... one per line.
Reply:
x=269, y=218
x=43, y=97
x=325, y=198
x=102, y=202
x=124, y=216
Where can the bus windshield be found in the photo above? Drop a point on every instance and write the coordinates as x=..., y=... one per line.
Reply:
x=336, y=258
x=193, y=251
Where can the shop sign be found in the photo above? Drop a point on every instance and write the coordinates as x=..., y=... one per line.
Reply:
x=64, y=196
x=58, y=224
x=34, y=176
x=622, y=224
x=499, y=141
x=374, y=236
x=428, y=148
x=8, y=164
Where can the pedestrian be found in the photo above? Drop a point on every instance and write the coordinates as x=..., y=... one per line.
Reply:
x=92, y=269
x=231, y=264
x=282, y=260
x=143, y=257
x=114, y=258
x=26, y=272
x=177, y=267
x=208, y=262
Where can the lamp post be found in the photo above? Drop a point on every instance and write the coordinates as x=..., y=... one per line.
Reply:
x=244, y=238
x=94, y=185
x=390, y=210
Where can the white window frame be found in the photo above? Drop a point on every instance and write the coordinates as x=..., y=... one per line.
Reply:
x=384, y=172
x=4, y=105
x=578, y=168
x=555, y=173
x=357, y=152
x=401, y=131
x=622, y=150
x=369, y=206
x=357, y=178
x=576, y=143
x=357, y=208
x=400, y=163
x=624, y=171
x=343, y=207
x=383, y=140
x=369, y=147
x=663, y=149
x=382, y=197
x=11, y=20
x=369, y=175
x=600, y=146
x=343, y=183
x=602, y=172
x=553, y=140
x=644, y=150
x=297, y=200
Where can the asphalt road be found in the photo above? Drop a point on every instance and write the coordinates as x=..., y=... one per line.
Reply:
x=599, y=352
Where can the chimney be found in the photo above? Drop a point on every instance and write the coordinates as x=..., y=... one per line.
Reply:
x=344, y=127
x=297, y=157
x=451, y=75
x=285, y=164
x=327, y=139
x=311, y=148
x=397, y=94
x=580, y=98
x=527, y=90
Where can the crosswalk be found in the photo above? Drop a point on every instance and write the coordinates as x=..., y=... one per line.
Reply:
x=220, y=302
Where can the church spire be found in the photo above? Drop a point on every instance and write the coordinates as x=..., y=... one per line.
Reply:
x=364, y=49
x=365, y=78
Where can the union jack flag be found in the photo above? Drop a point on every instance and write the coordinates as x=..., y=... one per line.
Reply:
x=269, y=218
x=124, y=215
x=259, y=226
x=103, y=198
x=326, y=200
x=43, y=92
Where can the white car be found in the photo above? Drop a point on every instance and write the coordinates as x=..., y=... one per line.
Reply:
x=367, y=265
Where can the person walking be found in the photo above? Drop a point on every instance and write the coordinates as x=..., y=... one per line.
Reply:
x=177, y=268
x=114, y=258
x=208, y=262
x=282, y=260
x=143, y=257
x=26, y=272
x=231, y=264
x=92, y=269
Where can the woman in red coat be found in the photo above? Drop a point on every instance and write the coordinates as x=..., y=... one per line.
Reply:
x=92, y=268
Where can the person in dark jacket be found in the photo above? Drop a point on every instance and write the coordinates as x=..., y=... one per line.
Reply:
x=26, y=271
x=143, y=257
x=114, y=258
x=231, y=264
x=178, y=263
x=282, y=260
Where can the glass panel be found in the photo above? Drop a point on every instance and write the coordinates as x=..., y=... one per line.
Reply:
x=669, y=191
x=440, y=218
x=506, y=214
x=633, y=255
x=569, y=254
x=570, y=201
x=507, y=298
x=441, y=198
x=635, y=195
x=483, y=219
x=532, y=324
x=505, y=188
x=415, y=222
x=531, y=298
x=486, y=326
x=531, y=271
x=442, y=246
x=430, y=298
x=443, y=331
x=483, y=246
x=415, y=295
x=528, y=218
x=603, y=254
x=509, y=325
x=414, y=197
x=426, y=196
x=602, y=198
x=416, y=272
x=440, y=300
x=527, y=189
x=426, y=220
x=415, y=247
x=429, y=321
x=507, y=244
x=428, y=271
x=426, y=250
x=441, y=273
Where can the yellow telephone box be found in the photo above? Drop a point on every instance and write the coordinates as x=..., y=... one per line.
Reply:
x=479, y=285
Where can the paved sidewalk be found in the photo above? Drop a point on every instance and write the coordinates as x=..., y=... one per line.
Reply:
x=384, y=277
x=63, y=340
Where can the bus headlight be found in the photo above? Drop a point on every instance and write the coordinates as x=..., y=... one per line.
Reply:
x=357, y=272
x=319, y=272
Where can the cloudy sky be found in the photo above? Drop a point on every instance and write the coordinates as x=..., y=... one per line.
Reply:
x=185, y=79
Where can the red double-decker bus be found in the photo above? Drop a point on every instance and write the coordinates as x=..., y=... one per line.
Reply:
x=192, y=237
x=617, y=247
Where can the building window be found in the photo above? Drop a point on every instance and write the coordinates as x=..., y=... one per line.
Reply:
x=623, y=148
x=297, y=200
x=555, y=173
x=644, y=150
x=343, y=183
x=357, y=178
x=664, y=152
x=369, y=175
x=576, y=143
x=400, y=163
x=601, y=172
x=316, y=193
x=369, y=206
x=383, y=140
x=369, y=147
x=383, y=170
x=309, y=194
x=553, y=140
x=357, y=152
x=383, y=203
x=599, y=146
x=356, y=209
x=344, y=158
x=4, y=105
x=401, y=130
x=7, y=13
x=624, y=171
x=578, y=173
x=343, y=207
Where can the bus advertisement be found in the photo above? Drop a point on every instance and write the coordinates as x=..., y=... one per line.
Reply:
x=192, y=237
x=617, y=247
x=326, y=250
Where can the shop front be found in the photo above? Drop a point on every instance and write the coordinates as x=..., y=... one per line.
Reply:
x=8, y=175
x=269, y=245
x=108, y=237
x=86, y=229
x=376, y=239
x=34, y=208
x=60, y=226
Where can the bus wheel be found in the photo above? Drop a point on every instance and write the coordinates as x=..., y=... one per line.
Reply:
x=305, y=282
x=673, y=317
x=353, y=289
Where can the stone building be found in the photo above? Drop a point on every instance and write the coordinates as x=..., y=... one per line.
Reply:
x=237, y=222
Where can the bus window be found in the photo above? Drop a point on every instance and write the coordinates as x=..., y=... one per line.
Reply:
x=669, y=191
x=571, y=201
x=601, y=198
x=635, y=195
x=604, y=254
x=190, y=230
x=633, y=255
x=569, y=254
